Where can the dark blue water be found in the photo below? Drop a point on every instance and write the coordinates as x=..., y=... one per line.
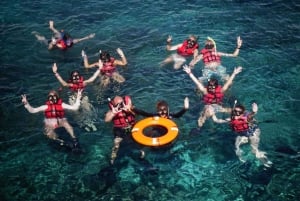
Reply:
x=199, y=165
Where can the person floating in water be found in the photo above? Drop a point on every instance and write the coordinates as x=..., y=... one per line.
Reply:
x=189, y=48
x=123, y=119
x=162, y=110
x=61, y=39
x=213, y=95
x=243, y=124
x=109, y=69
x=54, y=111
x=87, y=113
x=212, y=59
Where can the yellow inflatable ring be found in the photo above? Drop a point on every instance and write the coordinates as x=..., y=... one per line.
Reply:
x=140, y=137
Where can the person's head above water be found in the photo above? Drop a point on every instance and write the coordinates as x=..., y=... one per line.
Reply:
x=53, y=97
x=162, y=108
x=210, y=44
x=238, y=110
x=192, y=41
x=104, y=56
x=75, y=76
x=212, y=85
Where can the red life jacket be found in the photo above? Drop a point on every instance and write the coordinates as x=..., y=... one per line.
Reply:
x=210, y=56
x=184, y=50
x=54, y=110
x=123, y=119
x=108, y=67
x=240, y=124
x=212, y=98
x=75, y=86
x=61, y=44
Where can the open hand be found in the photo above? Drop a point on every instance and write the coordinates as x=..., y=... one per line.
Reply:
x=239, y=41
x=186, y=103
x=187, y=69
x=54, y=68
x=24, y=99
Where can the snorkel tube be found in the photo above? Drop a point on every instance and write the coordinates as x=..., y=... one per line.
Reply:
x=213, y=41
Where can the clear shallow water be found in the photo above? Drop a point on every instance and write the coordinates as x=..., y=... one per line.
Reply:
x=199, y=166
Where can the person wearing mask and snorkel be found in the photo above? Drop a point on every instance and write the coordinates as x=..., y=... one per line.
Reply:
x=188, y=48
x=86, y=115
x=61, y=39
x=54, y=111
x=244, y=125
x=123, y=119
x=212, y=59
x=213, y=95
x=109, y=69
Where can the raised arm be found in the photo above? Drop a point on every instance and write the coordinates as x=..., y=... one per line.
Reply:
x=253, y=113
x=51, y=26
x=236, y=51
x=169, y=46
x=58, y=77
x=77, y=40
x=95, y=75
x=76, y=105
x=123, y=61
x=30, y=108
x=229, y=81
x=86, y=61
x=200, y=86
x=183, y=110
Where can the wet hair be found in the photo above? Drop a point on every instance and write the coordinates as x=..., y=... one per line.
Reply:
x=238, y=106
x=104, y=56
x=161, y=103
x=72, y=73
x=193, y=36
x=213, y=82
x=53, y=92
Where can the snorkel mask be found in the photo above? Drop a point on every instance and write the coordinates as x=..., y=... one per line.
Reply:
x=162, y=109
x=212, y=85
x=104, y=56
x=210, y=44
x=53, y=97
x=75, y=76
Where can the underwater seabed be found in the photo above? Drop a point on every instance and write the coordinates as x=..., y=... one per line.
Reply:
x=176, y=173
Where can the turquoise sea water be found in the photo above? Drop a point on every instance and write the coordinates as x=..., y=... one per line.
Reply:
x=199, y=165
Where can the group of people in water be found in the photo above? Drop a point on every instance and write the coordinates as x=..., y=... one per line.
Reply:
x=122, y=112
